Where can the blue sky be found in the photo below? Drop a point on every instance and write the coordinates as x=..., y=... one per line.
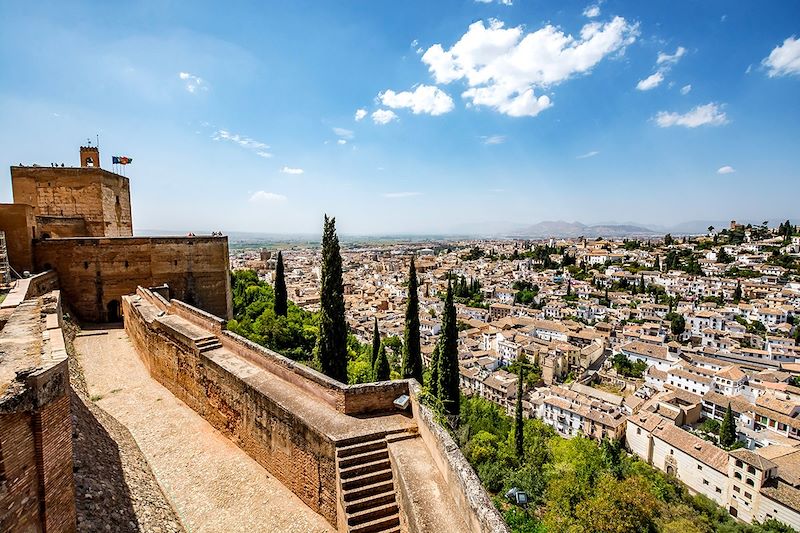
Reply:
x=472, y=113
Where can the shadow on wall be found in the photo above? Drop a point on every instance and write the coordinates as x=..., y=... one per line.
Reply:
x=103, y=500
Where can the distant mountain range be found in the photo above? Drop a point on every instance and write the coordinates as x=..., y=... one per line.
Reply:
x=559, y=228
x=496, y=229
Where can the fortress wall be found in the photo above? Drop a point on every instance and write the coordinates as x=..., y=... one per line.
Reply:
x=99, y=197
x=96, y=271
x=37, y=491
x=298, y=455
x=18, y=222
x=464, y=486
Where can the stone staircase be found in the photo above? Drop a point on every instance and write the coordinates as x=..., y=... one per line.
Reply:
x=367, y=485
x=206, y=344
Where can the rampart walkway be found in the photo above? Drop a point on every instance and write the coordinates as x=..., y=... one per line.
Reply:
x=213, y=484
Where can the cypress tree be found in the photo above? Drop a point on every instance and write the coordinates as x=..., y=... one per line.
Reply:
x=658, y=263
x=519, y=436
x=412, y=352
x=376, y=343
x=737, y=293
x=381, y=370
x=332, y=340
x=448, y=358
x=280, y=304
x=434, y=379
x=727, y=430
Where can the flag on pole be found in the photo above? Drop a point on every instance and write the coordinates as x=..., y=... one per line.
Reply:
x=121, y=160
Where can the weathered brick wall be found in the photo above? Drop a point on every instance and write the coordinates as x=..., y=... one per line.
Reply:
x=37, y=490
x=52, y=428
x=96, y=271
x=19, y=484
x=296, y=454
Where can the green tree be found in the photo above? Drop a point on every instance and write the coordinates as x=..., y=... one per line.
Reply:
x=381, y=369
x=448, y=389
x=412, y=352
x=376, y=343
x=727, y=430
x=677, y=324
x=280, y=305
x=668, y=240
x=332, y=341
x=737, y=293
x=625, y=506
x=519, y=435
x=434, y=378
x=658, y=263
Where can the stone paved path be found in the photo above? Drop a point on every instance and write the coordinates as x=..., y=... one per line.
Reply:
x=213, y=485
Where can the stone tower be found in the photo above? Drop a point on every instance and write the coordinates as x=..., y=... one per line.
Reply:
x=90, y=156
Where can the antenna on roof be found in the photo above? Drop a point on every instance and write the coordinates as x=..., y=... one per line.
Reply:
x=97, y=136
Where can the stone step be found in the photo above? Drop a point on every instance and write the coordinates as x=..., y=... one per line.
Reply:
x=357, y=439
x=370, y=515
x=366, y=457
x=394, y=437
x=360, y=447
x=364, y=468
x=381, y=525
x=366, y=479
x=374, y=500
x=367, y=490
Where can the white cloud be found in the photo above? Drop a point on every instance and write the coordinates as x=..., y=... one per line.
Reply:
x=343, y=133
x=383, y=116
x=703, y=115
x=424, y=99
x=400, y=194
x=341, y=141
x=592, y=11
x=193, y=83
x=290, y=170
x=360, y=113
x=493, y=139
x=650, y=82
x=258, y=147
x=267, y=197
x=502, y=2
x=588, y=154
x=414, y=43
x=503, y=67
x=784, y=59
x=671, y=59
x=726, y=170
x=686, y=89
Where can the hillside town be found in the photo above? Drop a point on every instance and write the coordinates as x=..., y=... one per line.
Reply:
x=665, y=343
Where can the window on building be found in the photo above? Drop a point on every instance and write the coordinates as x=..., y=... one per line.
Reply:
x=736, y=489
x=751, y=470
x=737, y=475
x=638, y=431
x=705, y=482
x=750, y=482
x=718, y=490
x=748, y=495
x=739, y=463
x=699, y=467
